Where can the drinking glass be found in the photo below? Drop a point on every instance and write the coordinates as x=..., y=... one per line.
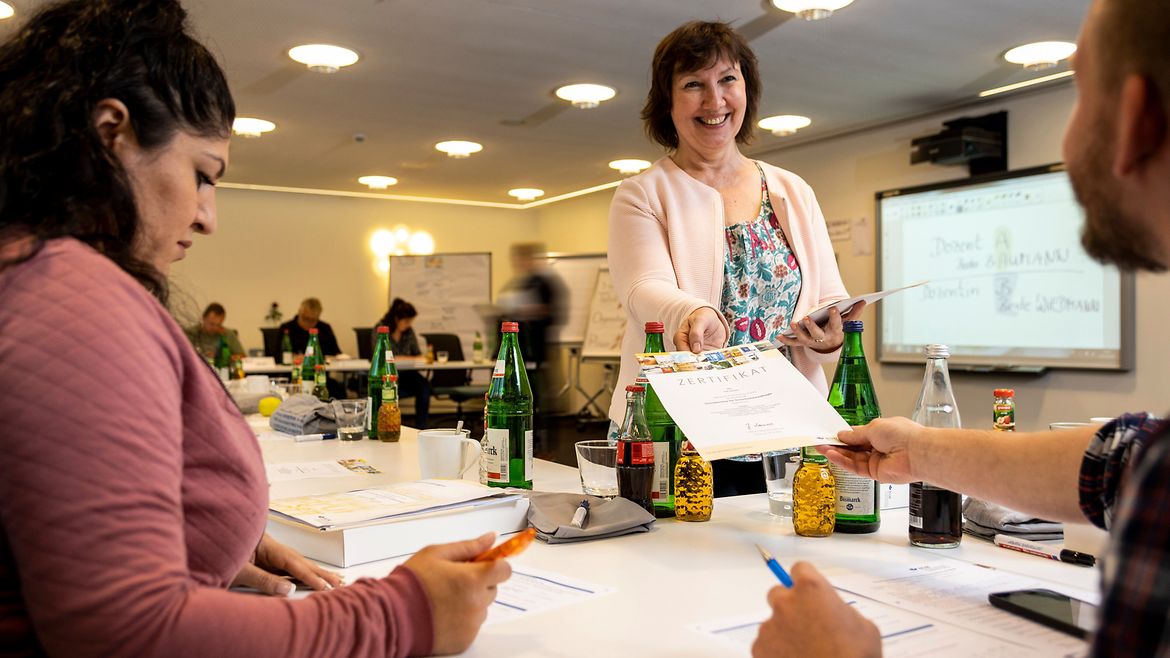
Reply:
x=779, y=468
x=351, y=419
x=441, y=356
x=597, y=464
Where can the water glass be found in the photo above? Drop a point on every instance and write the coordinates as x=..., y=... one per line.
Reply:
x=441, y=356
x=351, y=419
x=779, y=468
x=597, y=464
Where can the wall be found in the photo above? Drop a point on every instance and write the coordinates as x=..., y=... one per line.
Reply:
x=283, y=247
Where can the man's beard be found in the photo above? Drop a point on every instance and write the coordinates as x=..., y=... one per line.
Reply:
x=1111, y=235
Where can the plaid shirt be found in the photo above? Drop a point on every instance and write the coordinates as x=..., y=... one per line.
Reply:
x=1125, y=489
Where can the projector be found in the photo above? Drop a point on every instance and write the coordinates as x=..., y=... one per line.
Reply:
x=957, y=145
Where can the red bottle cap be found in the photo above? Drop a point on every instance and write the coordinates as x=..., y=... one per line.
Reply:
x=655, y=327
x=1004, y=393
x=286, y=332
x=382, y=329
x=392, y=378
x=510, y=327
x=313, y=331
x=318, y=367
x=634, y=388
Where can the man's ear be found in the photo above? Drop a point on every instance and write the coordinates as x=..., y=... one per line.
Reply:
x=1141, y=125
x=111, y=119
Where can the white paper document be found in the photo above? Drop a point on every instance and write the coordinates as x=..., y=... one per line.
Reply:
x=741, y=400
x=533, y=590
x=391, y=501
x=306, y=471
x=821, y=313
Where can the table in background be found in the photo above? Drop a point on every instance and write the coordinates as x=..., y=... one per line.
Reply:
x=363, y=366
x=668, y=580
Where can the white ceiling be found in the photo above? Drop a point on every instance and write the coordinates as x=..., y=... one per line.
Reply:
x=433, y=70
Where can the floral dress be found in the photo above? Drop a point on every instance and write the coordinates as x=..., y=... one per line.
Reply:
x=761, y=279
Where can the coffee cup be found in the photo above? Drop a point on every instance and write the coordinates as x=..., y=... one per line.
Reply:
x=446, y=454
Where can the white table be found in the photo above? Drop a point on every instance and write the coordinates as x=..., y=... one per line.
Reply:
x=669, y=579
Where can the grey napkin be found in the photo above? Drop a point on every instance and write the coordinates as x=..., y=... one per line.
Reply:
x=984, y=519
x=551, y=513
x=303, y=414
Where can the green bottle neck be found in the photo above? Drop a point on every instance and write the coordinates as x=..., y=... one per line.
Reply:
x=853, y=346
x=810, y=454
x=654, y=343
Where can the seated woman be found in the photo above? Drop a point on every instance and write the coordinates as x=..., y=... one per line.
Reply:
x=132, y=492
x=404, y=343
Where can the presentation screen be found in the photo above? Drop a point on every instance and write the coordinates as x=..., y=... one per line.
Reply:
x=1010, y=286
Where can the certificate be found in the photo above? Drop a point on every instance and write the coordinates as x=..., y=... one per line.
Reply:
x=741, y=400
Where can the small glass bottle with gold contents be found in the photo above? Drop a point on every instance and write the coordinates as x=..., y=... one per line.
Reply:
x=693, y=486
x=814, y=496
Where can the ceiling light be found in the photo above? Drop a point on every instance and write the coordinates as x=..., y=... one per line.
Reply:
x=785, y=124
x=251, y=127
x=6, y=10
x=1041, y=55
x=526, y=193
x=323, y=58
x=586, y=97
x=1026, y=83
x=420, y=243
x=382, y=243
x=811, y=10
x=629, y=166
x=378, y=182
x=458, y=149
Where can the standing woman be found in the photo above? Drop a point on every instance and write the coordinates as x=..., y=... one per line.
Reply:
x=132, y=491
x=721, y=248
x=399, y=319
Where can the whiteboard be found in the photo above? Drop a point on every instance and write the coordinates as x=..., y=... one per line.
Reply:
x=578, y=272
x=606, y=322
x=445, y=289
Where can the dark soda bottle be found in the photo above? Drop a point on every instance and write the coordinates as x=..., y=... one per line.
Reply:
x=936, y=517
x=635, y=452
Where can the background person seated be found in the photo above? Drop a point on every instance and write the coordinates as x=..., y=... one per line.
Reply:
x=404, y=343
x=205, y=335
x=308, y=317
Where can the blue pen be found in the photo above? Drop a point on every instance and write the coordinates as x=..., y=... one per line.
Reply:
x=785, y=580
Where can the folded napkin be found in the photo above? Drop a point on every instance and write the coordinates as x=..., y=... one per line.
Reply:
x=303, y=414
x=551, y=514
x=984, y=519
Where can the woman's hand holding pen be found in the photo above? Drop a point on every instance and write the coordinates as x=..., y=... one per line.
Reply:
x=824, y=339
x=810, y=619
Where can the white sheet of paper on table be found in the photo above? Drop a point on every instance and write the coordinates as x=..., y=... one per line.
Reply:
x=305, y=471
x=755, y=407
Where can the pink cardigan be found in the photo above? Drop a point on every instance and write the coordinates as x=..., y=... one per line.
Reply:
x=666, y=257
x=132, y=491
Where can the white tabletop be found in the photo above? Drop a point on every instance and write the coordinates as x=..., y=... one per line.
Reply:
x=670, y=579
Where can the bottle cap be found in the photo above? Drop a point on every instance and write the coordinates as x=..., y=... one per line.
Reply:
x=318, y=367
x=1004, y=392
x=688, y=446
x=634, y=388
x=392, y=378
x=510, y=327
x=655, y=327
x=313, y=331
x=286, y=332
x=383, y=329
x=854, y=326
x=937, y=351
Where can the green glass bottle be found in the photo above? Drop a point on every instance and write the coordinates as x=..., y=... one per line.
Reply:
x=664, y=433
x=477, y=349
x=852, y=395
x=320, y=389
x=313, y=357
x=507, y=437
x=223, y=359
x=286, y=353
x=379, y=371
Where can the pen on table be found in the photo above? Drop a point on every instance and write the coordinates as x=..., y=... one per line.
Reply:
x=315, y=437
x=785, y=580
x=579, y=516
x=1045, y=551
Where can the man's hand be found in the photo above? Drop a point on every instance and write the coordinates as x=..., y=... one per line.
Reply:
x=811, y=620
x=460, y=591
x=879, y=450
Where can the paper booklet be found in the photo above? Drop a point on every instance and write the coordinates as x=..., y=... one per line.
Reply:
x=741, y=400
x=390, y=502
x=821, y=313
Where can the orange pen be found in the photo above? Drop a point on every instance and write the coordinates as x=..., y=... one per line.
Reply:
x=514, y=546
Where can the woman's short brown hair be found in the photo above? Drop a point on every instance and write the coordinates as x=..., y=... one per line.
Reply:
x=695, y=46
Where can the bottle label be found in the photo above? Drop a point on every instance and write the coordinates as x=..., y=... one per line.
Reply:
x=309, y=352
x=389, y=355
x=916, y=505
x=528, y=455
x=286, y=358
x=370, y=413
x=641, y=452
x=855, y=494
x=499, y=371
x=389, y=394
x=1005, y=417
x=495, y=454
x=660, y=489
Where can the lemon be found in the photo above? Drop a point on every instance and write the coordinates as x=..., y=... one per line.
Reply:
x=268, y=405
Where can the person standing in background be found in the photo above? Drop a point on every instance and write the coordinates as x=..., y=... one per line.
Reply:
x=308, y=317
x=720, y=248
x=205, y=335
x=535, y=297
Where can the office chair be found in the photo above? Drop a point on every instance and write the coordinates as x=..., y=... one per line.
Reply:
x=454, y=385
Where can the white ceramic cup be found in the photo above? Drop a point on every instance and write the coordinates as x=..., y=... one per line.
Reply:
x=446, y=454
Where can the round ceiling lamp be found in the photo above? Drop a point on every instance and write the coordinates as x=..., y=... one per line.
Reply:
x=459, y=149
x=811, y=10
x=252, y=127
x=323, y=58
x=378, y=182
x=6, y=10
x=586, y=96
x=784, y=124
x=526, y=193
x=1040, y=55
x=629, y=167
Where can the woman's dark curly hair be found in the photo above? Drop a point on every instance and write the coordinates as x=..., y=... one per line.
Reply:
x=400, y=309
x=57, y=178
